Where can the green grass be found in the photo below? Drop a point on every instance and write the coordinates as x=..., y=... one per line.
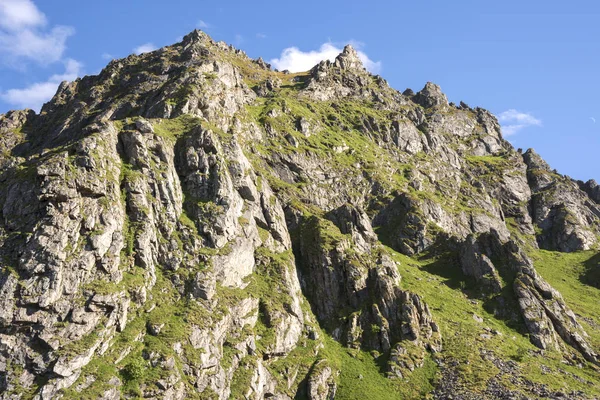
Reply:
x=360, y=373
x=337, y=125
x=242, y=377
x=573, y=275
x=177, y=315
x=348, y=147
x=171, y=129
x=361, y=376
x=486, y=160
x=453, y=300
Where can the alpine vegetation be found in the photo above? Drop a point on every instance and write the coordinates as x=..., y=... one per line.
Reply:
x=193, y=224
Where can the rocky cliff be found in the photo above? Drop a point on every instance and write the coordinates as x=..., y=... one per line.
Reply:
x=190, y=223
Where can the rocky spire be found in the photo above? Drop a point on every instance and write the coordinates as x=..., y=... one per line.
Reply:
x=349, y=59
x=538, y=171
x=534, y=161
x=431, y=95
x=196, y=36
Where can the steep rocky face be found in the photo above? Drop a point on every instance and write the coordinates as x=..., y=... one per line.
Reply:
x=191, y=224
x=567, y=214
x=354, y=288
x=592, y=189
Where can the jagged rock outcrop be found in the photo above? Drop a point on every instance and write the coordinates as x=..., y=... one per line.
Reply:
x=347, y=77
x=567, y=216
x=476, y=263
x=592, y=189
x=430, y=96
x=348, y=278
x=189, y=223
x=545, y=313
x=321, y=383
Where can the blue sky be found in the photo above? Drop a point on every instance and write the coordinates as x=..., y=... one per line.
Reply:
x=533, y=63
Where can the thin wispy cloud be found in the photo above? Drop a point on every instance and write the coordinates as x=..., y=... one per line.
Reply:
x=514, y=121
x=202, y=24
x=295, y=60
x=107, y=56
x=35, y=95
x=239, y=39
x=261, y=36
x=25, y=35
x=145, y=48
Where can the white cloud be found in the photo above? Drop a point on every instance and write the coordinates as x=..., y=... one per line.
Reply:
x=107, y=56
x=514, y=121
x=23, y=35
x=145, y=48
x=19, y=14
x=261, y=36
x=44, y=48
x=35, y=95
x=296, y=60
x=203, y=24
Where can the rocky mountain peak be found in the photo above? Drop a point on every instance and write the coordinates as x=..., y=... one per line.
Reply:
x=430, y=96
x=197, y=36
x=190, y=223
x=349, y=59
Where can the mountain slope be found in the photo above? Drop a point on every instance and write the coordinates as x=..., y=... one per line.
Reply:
x=191, y=224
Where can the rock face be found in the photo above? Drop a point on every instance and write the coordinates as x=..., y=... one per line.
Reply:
x=191, y=224
x=567, y=214
x=547, y=317
x=348, y=278
x=321, y=385
x=430, y=96
x=592, y=189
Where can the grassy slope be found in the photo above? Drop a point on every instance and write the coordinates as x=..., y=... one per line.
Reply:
x=441, y=284
x=570, y=273
x=361, y=378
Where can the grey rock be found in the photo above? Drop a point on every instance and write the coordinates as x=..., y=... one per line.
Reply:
x=546, y=315
x=476, y=264
x=430, y=96
x=339, y=279
x=348, y=59
x=321, y=382
x=592, y=189
x=568, y=219
x=144, y=126
x=204, y=286
x=267, y=87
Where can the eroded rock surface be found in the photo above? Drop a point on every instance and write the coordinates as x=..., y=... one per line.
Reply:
x=190, y=223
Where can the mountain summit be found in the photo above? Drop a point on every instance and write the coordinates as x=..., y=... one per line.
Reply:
x=349, y=59
x=190, y=223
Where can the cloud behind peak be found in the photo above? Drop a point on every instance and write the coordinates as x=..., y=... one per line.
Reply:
x=295, y=60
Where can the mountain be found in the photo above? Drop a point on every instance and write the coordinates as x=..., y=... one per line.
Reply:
x=190, y=223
